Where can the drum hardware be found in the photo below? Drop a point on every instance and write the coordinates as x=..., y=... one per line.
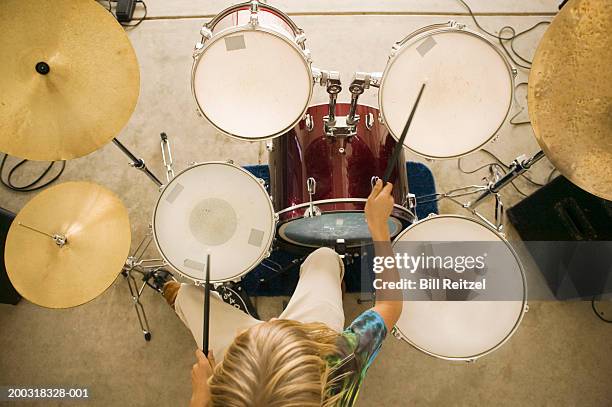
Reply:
x=311, y=185
x=137, y=163
x=333, y=86
x=167, y=156
x=517, y=167
x=145, y=268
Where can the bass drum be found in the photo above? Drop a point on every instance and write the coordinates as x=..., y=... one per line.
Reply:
x=336, y=174
x=468, y=329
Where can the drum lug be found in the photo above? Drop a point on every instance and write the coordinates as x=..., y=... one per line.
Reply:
x=230, y=161
x=395, y=332
x=454, y=24
x=369, y=121
x=254, y=19
x=206, y=33
x=301, y=39
x=410, y=201
x=514, y=72
x=269, y=146
x=526, y=308
x=312, y=210
x=374, y=180
x=309, y=122
x=191, y=163
x=380, y=119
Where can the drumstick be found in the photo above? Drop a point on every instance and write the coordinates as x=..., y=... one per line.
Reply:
x=400, y=143
x=206, y=307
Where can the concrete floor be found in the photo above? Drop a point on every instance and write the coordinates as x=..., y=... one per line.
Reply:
x=561, y=354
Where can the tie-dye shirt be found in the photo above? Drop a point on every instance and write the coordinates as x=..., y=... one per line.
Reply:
x=359, y=344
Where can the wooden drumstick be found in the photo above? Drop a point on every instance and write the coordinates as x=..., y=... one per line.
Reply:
x=206, y=307
x=400, y=143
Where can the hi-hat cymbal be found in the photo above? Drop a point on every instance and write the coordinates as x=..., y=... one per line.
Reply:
x=69, y=78
x=570, y=94
x=55, y=274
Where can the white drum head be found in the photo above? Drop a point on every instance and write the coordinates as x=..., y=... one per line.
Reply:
x=460, y=330
x=218, y=207
x=252, y=84
x=467, y=97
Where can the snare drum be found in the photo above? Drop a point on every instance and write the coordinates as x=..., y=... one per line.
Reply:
x=463, y=330
x=252, y=76
x=468, y=96
x=219, y=208
x=322, y=181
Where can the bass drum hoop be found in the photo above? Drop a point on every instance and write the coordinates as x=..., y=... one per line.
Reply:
x=400, y=335
x=247, y=27
x=409, y=217
x=428, y=31
x=238, y=276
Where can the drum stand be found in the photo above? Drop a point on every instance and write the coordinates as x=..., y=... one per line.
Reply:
x=495, y=182
x=135, y=264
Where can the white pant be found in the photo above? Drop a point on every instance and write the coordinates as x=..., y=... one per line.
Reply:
x=317, y=298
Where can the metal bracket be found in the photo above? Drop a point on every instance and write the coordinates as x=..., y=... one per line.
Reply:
x=312, y=210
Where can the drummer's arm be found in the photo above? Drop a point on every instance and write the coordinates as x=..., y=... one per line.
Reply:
x=378, y=209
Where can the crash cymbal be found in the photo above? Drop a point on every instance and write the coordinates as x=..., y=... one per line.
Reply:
x=570, y=94
x=56, y=274
x=69, y=78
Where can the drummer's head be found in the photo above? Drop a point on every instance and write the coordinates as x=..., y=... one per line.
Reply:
x=276, y=363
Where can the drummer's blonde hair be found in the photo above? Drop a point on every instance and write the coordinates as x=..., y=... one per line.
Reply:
x=277, y=363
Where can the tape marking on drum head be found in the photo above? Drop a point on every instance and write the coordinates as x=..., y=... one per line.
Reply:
x=234, y=43
x=256, y=237
x=426, y=46
x=176, y=191
x=192, y=264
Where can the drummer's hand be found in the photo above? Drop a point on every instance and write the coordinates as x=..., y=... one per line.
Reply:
x=378, y=209
x=201, y=371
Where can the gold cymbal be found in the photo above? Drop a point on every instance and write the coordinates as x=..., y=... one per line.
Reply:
x=96, y=228
x=89, y=92
x=570, y=94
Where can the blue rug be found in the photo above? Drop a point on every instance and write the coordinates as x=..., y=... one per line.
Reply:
x=278, y=274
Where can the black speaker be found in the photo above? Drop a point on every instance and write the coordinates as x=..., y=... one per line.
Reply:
x=8, y=294
x=568, y=232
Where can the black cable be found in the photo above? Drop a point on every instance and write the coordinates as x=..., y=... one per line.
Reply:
x=599, y=314
x=501, y=38
x=32, y=185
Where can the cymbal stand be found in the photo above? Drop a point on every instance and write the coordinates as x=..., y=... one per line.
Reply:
x=137, y=163
x=135, y=264
x=495, y=182
x=167, y=156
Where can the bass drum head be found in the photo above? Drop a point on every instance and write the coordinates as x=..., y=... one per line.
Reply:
x=326, y=229
x=218, y=208
x=469, y=87
x=252, y=84
x=461, y=330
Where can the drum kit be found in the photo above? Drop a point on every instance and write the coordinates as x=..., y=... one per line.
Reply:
x=323, y=159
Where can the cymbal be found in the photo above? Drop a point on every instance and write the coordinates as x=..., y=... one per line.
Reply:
x=87, y=95
x=95, y=226
x=570, y=95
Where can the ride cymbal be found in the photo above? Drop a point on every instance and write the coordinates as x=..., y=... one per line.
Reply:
x=570, y=95
x=69, y=78
x=67, y=245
